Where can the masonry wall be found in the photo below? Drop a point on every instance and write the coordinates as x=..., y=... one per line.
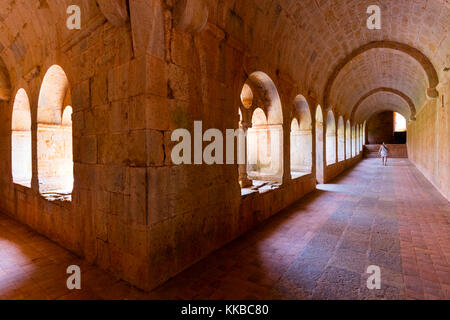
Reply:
x=88, y=224
x=334, y=170
x=133, y=212
x=428, y=141
x=381, y=128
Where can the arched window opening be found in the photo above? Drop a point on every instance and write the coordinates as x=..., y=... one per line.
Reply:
x=260, y=100
x=21, y=140
x=331, y=139
x=353, y=141
x=319, y=146
x=247, y=96
x=301, y=139
x=348, y=142
x=341, y=139
x=54, y=136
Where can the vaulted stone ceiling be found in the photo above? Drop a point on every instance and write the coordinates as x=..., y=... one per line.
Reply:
x=31, y=29
x=377, y=69
x=310, y=38
x=316, y=35
x=383, y=101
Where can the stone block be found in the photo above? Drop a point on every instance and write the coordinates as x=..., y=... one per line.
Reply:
x=88, y=149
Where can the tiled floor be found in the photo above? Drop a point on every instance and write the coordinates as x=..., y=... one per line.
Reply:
x=319, y=248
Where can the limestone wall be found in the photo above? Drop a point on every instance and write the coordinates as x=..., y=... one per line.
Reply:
x=381, y=128
x=428, y=141
x=132, y=83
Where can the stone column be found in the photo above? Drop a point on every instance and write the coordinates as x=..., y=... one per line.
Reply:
x=244, y=181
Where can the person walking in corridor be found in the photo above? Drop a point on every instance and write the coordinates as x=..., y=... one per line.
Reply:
x=384, y=153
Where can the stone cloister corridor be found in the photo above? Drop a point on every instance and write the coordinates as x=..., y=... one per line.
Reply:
x=224, y=149
x=318, y=248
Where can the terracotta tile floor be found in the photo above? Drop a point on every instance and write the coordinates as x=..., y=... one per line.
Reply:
x=319, y=248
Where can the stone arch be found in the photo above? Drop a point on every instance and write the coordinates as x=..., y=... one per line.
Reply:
x=302, y=112
x=54, y=136
x=433, y=79
x=266, y=94
x=54, y=91
x=301, y=137
x=341, y=139
x=67, y=116
x=259, y=118
x=247, y=96
x=21, y=154
x=267, y=125
x=331, y=138
x=390, y=90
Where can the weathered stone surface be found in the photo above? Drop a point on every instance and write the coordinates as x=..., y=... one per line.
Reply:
x=135, y=74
